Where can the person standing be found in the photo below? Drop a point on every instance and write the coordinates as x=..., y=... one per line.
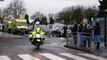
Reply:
x=74, y=32
x=97, y=35
x=2, y=29
x=88, y=35
x=82, y=31
x=65, y=30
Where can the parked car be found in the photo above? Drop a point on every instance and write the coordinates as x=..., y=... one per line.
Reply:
x=45, y=29
x=70, y=27
x=57, y=29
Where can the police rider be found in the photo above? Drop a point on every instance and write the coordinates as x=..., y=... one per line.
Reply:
x=37, y=30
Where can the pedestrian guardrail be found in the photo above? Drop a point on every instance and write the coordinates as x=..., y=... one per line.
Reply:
x=80, y=39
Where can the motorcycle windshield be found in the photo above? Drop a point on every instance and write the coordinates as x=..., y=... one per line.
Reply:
x=38, y=40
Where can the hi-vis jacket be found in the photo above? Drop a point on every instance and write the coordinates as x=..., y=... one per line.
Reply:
x=37, y=30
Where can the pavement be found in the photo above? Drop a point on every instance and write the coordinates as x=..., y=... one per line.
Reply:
x=4, y=35
x=102, y=51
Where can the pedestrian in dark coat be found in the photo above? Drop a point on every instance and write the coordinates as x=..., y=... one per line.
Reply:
x=88, y=35
x=74, y=32
x=97, y=35
x=82, y=30
x=75, y=28
x=65, y=30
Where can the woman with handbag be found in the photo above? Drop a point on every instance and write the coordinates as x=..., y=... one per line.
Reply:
x=97, y=35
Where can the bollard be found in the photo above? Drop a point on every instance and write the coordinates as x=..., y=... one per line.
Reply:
x=84, y=40
x=75, y=38
x=93, y=38
x=89, y=42
x=67, y=39
x=78, y=39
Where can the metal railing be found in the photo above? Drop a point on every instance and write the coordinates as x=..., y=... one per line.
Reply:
x=80, y=39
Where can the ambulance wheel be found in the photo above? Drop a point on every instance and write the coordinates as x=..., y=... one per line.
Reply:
x=9, y=31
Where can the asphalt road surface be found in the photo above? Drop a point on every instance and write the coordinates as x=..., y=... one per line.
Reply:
x=20, y=48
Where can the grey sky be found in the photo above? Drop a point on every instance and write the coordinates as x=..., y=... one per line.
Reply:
x=51, y=6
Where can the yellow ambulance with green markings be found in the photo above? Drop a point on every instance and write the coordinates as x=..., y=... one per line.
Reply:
x=16, y=26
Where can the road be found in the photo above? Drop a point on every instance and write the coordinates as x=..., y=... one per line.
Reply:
x=20, y=48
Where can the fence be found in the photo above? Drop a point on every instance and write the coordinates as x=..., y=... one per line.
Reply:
x=80, y=39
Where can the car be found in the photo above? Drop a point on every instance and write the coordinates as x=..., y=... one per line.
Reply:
x=45, y=29
x=57, y=29
x=70, y=27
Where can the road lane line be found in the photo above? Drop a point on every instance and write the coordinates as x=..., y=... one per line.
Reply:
x=51, y=56
x=4, y=58
x=27, y=57
x=93, y=56
x=73, y=56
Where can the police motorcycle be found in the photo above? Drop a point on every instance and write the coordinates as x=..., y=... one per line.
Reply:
x=37, y=37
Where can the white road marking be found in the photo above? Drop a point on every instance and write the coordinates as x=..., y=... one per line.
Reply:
x=93, y=56
x=73, y=56
x=27, y=57
x=51, y=56
x=4, y=58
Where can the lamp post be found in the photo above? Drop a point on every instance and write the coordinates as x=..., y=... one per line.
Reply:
x=105, y=32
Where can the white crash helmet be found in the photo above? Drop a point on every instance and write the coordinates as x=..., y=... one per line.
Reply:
x=37, y=23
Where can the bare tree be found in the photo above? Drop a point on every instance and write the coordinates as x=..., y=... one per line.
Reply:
x=76, y=14
x=38, y=15
x=67, y=14
x=0, y=12
x=4, y=14
x=90, y=12
x=44, y=20
x=51, y=15
x=17, y=9
x=51, y=18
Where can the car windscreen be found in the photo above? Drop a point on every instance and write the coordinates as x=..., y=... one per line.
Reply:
x=57, y=26
x=60, y=28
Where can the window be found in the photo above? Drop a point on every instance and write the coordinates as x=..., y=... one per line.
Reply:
x=21, y=23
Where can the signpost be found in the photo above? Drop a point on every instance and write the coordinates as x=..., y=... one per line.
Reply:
x=105, y=27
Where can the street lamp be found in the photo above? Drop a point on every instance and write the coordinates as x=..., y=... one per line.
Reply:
x=105, y=43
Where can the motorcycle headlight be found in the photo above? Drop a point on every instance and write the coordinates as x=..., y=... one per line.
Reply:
x=38, y=35
x=30, y=35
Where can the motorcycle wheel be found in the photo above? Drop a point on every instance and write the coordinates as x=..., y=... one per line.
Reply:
x=38, y=46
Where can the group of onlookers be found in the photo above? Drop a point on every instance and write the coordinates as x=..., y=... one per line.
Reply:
x=85, y=31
